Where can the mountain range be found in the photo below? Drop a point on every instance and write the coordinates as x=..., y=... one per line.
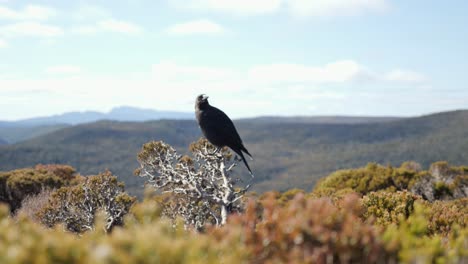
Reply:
x=323, y=119
x=122, y=113
x=286, y=154
x=16, y=131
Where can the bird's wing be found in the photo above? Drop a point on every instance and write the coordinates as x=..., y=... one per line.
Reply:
x=221, y=124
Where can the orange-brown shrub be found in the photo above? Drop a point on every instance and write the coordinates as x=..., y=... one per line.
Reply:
x=306, y=230
x=443, y=215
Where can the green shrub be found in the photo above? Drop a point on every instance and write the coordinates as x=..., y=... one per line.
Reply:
x=387, y=207
x=440, y=182
x=412, y=240
x=155, y=241
x=441, y=189
x=404, y=177
x=335, y=195
x=373, y=177
x=331, y=225
x=18, y=184
x=302, y=230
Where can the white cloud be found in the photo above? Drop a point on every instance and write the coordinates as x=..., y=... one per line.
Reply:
x=3, y=43
x=86, y=30
x=298, y=8
x=345, y=71
x=195, y=27
x=170, y=71
x=110, y=25
x=87, y=12
x=34, y=29
x=405, y=76
x=103, y=22
x=326, y=8
x=340, y=71
x=63, y=69
x=119, y=26
x=266, y=89
x=237, y=7
x=29, y=12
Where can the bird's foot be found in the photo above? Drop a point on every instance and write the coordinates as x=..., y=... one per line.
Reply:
x=215, y=151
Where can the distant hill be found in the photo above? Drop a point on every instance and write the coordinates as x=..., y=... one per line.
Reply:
x=16, y=131
x=94, y=147
x=13, y=134
x=123, y=113
x=323, y=119
x=3, y=142
x=286, y=154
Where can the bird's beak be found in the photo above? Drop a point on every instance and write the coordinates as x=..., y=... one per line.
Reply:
x=205, y=97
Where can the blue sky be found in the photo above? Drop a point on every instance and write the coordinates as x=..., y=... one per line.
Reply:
x=264, y=57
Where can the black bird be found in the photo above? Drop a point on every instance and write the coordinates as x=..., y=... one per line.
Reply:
x=218, y=128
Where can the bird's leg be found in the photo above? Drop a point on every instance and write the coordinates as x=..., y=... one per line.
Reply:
x=215, y=151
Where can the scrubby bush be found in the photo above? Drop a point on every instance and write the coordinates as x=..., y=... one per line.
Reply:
x=388, y=208
x=201, y=189
x=335, y=195
x=303, y=229
x=76, y=206
x=333, y=224
x=282, y=198
x=444, y=215
x=18, y=184
x=373, y=177
x=65, y=172
x=152, y=241
x=33, y=204
x=440, y=182
x=412, y=240
x=306, y=230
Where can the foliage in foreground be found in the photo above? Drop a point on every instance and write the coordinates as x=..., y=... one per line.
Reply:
x=149, y=240
x=333, y=224
x=308, y=230
x=304, y=229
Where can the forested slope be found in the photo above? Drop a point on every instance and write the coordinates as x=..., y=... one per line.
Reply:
x=286, y=154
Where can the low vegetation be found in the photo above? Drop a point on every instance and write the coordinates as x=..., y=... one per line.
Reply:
x=373, y=214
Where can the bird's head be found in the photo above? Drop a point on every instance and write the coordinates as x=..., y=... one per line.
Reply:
x=201, y=101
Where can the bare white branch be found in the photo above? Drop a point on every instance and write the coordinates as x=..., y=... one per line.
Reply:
x=202, y=187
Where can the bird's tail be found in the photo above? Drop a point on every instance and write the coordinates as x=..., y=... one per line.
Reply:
x=246, y=151
x=239, y=152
